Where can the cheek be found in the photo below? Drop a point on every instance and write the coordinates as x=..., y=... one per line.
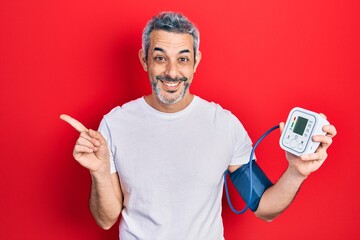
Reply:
x=188, y=72
x=155, y=69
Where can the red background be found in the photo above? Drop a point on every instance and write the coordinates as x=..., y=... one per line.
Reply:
x=260, y=59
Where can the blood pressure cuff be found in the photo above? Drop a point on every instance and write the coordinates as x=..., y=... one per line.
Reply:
x=260, y=182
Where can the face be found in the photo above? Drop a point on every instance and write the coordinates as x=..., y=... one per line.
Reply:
x=171, y=65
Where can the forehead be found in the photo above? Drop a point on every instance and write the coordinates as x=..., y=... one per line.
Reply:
x=170, y=41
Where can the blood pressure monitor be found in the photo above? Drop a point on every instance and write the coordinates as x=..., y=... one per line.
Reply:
x=300, y=126
x=296, y=138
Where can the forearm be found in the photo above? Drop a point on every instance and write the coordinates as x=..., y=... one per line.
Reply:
x=278, y=197
x=105, y=203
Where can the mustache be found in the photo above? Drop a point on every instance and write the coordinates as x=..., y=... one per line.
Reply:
x=170, y=79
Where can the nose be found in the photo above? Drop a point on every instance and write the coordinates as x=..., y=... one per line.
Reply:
x=171, y=69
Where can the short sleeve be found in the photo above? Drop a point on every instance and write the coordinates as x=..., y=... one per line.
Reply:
x=104, y=130
x=242, y=143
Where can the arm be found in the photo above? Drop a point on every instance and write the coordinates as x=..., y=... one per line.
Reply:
x=105, y=199
x=91, y=151
x=278, y=197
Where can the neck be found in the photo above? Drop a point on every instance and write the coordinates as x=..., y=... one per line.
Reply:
x=155, y=102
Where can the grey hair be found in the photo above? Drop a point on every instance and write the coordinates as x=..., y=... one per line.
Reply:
x=170, y=22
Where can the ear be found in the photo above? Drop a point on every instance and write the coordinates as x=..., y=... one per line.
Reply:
x=142, y=59
x=197, y=60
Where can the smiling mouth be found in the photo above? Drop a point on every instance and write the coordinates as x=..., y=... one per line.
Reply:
x=171, y=84
x=168, y=79
x=171, y=87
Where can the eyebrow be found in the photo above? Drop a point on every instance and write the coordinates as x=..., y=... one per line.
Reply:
x=159, y=49
x=185, y=51
x=162, y=50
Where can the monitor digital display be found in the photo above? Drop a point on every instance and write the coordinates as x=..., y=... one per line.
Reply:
x=300, y=125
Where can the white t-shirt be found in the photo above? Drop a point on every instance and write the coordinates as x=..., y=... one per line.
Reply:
x=171, y=167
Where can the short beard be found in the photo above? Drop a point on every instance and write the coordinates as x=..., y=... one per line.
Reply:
x=165, y=100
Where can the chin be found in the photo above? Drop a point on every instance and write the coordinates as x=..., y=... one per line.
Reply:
x=170, y=101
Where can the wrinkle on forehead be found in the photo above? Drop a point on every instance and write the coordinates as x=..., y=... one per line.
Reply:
x=171, y=42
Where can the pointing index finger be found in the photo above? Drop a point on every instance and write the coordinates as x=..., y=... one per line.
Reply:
x=74, y=123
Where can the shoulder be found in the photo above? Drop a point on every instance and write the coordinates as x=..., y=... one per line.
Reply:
x=126, y=108
x=214, y=108
x=126, y=112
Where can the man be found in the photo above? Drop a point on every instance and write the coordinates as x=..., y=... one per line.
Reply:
x=159, y=160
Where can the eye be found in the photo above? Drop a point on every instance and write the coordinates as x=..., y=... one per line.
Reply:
x=184, y=59
x=159, y=58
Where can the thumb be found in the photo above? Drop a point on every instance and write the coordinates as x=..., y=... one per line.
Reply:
x=98, y=136
x=281, y=126
x=102, y=151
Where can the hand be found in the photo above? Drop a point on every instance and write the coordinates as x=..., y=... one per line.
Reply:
x=306, y=164
x=91, y=149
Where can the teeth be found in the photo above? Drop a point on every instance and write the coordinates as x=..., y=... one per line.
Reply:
x=171, y=84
